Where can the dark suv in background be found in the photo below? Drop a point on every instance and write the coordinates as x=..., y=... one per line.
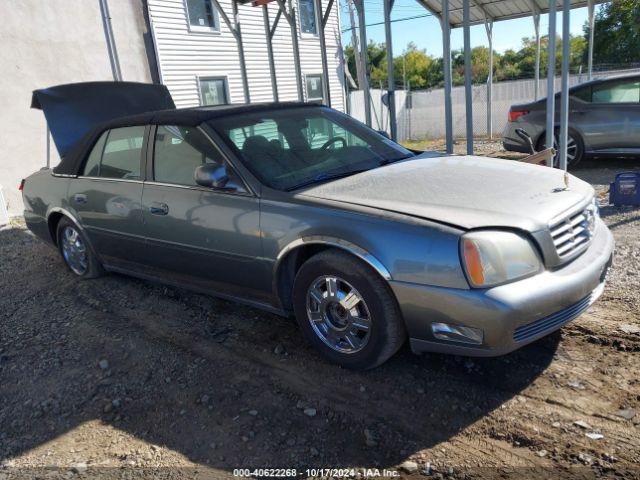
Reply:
x=604, y=120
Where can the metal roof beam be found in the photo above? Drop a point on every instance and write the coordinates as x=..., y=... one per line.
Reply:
x=520, y=13
x=433, y=12
x=480, y=7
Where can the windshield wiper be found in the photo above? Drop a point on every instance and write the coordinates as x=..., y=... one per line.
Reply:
x=325, y=177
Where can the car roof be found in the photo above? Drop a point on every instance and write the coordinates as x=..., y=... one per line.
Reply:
x=628, y=76
x=194, y=116
x=71, y=163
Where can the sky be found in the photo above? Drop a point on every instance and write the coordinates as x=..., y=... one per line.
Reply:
x=426, y=33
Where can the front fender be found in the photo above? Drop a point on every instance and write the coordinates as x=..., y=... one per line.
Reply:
x=398, y=247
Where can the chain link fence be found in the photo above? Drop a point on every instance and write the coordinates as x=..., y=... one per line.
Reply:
x=420, y=114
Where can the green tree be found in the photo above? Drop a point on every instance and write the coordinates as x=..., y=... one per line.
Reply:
x=377, y=65
x=479, y=65
x=425, y=71
x=377, y=53
x=417, y=65
x=616, y=33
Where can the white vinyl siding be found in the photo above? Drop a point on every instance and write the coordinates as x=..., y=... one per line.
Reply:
x=185, y=56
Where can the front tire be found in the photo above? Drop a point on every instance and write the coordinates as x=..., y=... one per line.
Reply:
x=575, y=148
x=347, y=311
x=76, y=252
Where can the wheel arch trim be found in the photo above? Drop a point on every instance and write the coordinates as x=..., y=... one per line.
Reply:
x=352, y=248
x=345, y=245
x=74, y=220
x=64, y=213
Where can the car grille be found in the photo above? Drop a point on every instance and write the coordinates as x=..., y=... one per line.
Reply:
x=573, y=233
x=554, y=321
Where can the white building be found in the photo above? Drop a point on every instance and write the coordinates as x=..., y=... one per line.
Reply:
x=198, y=56
x=183, y=43
x=51, y=43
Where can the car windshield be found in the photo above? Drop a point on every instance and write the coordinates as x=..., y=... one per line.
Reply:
x=291, y=148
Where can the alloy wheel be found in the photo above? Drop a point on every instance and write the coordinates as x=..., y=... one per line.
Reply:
x=572, y=150
x=338, y=314
x=74, y=251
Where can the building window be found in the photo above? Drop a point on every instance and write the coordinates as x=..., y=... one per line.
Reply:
x=201, y=15
x=213, y=91
x=308, y=24
x=315, y=91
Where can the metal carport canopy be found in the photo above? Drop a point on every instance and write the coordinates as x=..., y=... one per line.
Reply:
x=464, y=13
x=495, y=10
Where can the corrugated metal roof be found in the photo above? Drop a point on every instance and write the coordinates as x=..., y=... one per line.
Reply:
x=495, y=9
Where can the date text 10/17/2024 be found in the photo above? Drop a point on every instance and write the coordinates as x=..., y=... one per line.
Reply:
x=315, y=472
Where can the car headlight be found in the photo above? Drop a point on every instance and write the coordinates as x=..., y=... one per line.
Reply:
x=493, y=257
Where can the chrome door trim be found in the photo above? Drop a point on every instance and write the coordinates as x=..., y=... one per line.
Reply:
x=220, y=191
x=106, y=179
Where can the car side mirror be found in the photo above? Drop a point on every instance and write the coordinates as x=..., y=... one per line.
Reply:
x=384, y=134
x=212, y=176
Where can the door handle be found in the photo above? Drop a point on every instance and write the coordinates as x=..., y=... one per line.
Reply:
x=158, y=208
x=80, y=198
x=580, y=112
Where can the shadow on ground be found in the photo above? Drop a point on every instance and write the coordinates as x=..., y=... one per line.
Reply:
x=222, y=384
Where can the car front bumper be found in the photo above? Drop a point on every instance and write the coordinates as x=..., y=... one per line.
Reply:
x=512, y=315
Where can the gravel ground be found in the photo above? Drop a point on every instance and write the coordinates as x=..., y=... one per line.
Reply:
x=121, y=378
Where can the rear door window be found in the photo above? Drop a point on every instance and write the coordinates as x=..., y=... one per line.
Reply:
x=618, y=92
x=92, y=166
x=122, y=153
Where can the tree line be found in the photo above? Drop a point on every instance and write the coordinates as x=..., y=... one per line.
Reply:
x=617, y=41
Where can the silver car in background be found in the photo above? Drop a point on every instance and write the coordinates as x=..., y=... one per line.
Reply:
x=604, y=120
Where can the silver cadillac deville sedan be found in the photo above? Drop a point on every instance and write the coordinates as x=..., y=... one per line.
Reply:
x=299, y=209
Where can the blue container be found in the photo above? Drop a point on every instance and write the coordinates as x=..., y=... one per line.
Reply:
x=626, y=189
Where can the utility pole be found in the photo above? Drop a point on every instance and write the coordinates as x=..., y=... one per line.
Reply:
x=364, y=60
x=592, y=26
x=404, y=70
x=354, y=41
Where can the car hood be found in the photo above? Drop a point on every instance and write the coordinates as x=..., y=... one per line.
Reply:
x=465, y=191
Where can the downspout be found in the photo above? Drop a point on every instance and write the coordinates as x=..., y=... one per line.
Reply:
x=111, y=43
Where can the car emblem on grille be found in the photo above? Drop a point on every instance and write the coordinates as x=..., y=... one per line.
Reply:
x=590, y=221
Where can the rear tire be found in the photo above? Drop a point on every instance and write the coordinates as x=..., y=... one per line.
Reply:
x=575, y=148
x=76, y=251
x=347, y=311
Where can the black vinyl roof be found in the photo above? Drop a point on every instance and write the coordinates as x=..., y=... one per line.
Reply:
x=194, y=116
x=77, y=113
x=74, y=110
x=71, y=163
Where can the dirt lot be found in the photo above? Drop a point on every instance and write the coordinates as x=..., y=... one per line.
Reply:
x=122, y=378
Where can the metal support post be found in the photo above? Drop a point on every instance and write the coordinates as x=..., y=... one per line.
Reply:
x=551, y=73
x=391, y=88
x=468, y=92
x=564, y=96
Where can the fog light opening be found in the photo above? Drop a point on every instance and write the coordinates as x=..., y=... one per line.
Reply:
x=457, y=333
